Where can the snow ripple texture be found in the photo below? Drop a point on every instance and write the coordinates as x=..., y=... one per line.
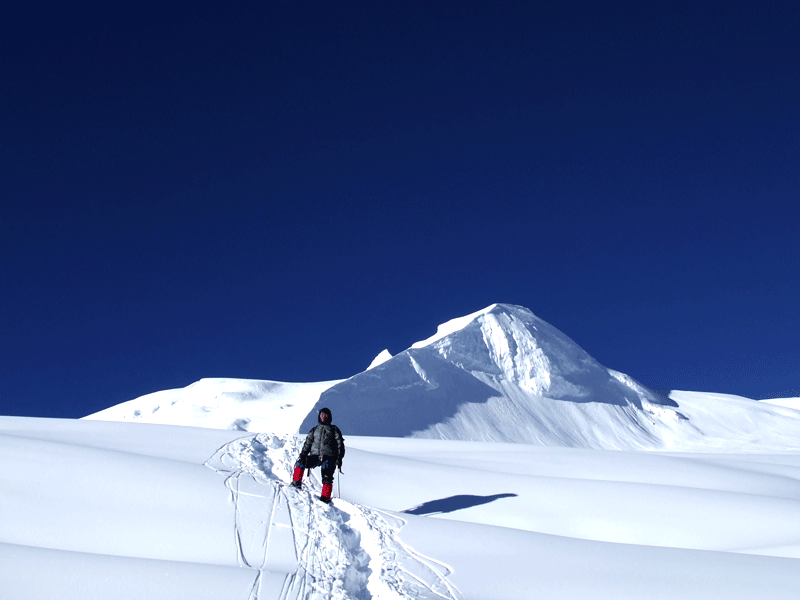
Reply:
x=304, y=549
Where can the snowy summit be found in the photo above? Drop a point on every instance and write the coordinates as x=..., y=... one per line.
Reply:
x=500, y=374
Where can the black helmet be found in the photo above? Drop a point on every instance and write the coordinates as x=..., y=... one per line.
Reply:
x=327, y=418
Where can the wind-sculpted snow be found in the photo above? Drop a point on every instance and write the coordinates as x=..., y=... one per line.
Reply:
x=303, y=549
x=501, y=374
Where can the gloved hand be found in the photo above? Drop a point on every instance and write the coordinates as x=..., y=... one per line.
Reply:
x=302, y=458
x=339, y=464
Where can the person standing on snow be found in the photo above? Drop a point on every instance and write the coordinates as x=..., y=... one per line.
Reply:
x=324, y=447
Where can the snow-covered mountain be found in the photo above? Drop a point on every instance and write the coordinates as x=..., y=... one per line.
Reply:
x=173, y=496
x=500, y=374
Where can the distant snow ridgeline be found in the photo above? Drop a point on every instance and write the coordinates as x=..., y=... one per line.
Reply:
x=500, y=374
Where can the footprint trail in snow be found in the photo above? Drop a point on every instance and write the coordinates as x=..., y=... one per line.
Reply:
x=303, y=549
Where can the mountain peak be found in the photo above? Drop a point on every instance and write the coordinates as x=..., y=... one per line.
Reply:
x=459, y=323
x=501, y=374
x=380, y=359
x=508, y=343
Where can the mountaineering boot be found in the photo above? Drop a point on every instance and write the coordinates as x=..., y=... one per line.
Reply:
x=297, y=478
x=327, y=489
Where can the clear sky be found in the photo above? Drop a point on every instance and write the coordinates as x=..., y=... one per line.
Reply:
x=281, y=189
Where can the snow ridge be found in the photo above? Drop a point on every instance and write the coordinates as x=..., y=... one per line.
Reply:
x=500, y=374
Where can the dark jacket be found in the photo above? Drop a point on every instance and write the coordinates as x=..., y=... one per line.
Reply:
x=324, y=440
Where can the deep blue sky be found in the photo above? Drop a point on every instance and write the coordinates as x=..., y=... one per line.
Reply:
x=282, y=189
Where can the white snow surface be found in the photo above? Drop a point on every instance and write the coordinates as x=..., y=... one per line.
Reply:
x=95, y=509
x=239, y=404
x=513, y=466
x=786, y=402
x=380, y=359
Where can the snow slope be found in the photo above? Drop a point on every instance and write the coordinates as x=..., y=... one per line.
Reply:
x=786, y=402
x=240, y=404
x=96, y=509
x=110, y=510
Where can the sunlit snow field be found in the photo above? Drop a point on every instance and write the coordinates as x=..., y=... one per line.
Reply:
x=610, y=494
x=116, y=510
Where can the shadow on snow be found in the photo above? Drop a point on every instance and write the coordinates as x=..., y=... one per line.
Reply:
x=453, y=503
